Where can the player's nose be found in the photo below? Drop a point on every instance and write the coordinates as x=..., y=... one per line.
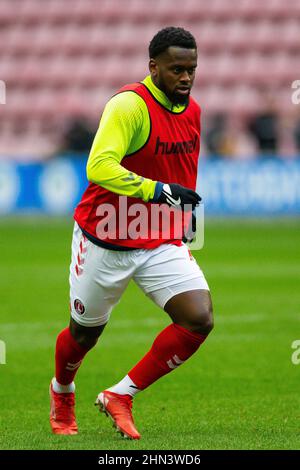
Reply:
x=185, y=77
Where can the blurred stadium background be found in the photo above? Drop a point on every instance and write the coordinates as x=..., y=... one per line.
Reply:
x=60, y=61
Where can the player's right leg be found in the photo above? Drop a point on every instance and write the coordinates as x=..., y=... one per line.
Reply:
x=94, y=290
x=71, y=346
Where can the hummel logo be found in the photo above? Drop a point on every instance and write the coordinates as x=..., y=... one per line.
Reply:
x=175, y=148
x=176, y=360
x=72, y=367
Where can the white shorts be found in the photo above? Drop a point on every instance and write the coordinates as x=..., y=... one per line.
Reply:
x=98, y=276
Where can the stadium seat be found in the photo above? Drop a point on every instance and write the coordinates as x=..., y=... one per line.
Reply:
x=211, y=36
x=58, y=60
x=30, y=13
x=289, y=37
x=8, y=13
x=140, y=12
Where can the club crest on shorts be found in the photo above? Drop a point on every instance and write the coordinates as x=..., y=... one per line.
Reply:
x=79, y=307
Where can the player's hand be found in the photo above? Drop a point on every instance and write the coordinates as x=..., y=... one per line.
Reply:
x=177, y=196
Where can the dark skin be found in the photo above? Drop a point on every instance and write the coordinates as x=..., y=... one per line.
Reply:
x=173, y=72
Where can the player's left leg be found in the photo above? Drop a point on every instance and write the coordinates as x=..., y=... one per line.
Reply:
x=191, y=312
x=174, y=281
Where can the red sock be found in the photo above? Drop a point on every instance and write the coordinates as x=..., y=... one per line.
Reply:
x=68, y=357
x=171, y=347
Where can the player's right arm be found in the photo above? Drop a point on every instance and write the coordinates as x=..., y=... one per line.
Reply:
x=122, y=130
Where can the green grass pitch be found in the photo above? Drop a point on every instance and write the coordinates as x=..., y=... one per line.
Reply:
x=241, y=389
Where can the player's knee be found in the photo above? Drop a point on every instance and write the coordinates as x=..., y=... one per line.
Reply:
x=86, y=341
x=203, y=321
x=206, y=325
x=87, y=337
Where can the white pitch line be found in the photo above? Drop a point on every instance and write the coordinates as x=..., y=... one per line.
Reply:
x=120, y=323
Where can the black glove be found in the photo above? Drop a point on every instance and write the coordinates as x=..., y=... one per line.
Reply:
x=176, y=195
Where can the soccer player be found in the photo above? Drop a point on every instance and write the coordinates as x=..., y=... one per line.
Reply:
x=145, y=151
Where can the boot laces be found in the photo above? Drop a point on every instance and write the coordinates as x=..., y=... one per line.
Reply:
x=64, y=406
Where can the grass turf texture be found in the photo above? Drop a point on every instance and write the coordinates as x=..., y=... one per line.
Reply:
x=240, y=391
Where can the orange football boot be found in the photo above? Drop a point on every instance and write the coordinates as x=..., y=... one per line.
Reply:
x=62, y=414
x=118, y=408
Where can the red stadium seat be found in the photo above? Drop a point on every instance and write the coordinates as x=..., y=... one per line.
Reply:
x=289, y=37
x=112, y=11
x=140, y=12
x=49, y=39
x=70, y=57
x=8, y=13
x=236, y=37
x=211, y=36
x=30, y=13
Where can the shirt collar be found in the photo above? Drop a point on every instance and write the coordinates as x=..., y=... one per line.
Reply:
x=161, y=97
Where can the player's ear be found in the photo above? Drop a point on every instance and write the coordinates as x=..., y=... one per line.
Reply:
x=153, y=67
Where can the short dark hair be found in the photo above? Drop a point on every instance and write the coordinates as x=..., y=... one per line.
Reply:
x=168, y=37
